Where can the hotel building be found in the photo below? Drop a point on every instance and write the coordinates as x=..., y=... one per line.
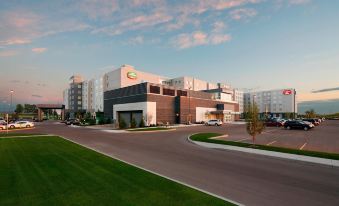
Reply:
x=274, y=103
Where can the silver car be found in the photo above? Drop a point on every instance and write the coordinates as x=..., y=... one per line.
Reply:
x=214, y=122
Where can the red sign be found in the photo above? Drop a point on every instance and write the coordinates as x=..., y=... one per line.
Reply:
x=287, y=92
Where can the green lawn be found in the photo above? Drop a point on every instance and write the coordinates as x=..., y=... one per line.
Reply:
x=149, y=129
x=53, y=171
x=206, y=137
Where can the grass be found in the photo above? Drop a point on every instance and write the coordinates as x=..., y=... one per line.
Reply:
x=206, y=137
x=53, y=171
x=149, y=129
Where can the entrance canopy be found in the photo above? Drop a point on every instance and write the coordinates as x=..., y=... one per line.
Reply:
x=50, y=106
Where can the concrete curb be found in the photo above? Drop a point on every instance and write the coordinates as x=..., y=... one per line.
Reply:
x=317, y=160
x=155, y=173
x=151, y=131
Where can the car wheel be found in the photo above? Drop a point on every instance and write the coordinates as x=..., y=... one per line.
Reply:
x=28, y=126
x=12, y=127
x=288, y=127
x=305, y=128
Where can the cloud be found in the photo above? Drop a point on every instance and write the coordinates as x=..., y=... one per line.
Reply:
x=298, y=2
x=8, y=53
x=326, y=90
x=243, y=13
x=14, y=42
x=39, y=50
x=15, y=81
x=198, y=38
x=36, y=96
x=136, y=40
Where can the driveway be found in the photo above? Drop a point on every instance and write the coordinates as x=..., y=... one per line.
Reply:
x=245, y=178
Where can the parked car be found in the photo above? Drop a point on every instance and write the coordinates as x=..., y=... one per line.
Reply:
x=313, y=121
x=274, y=123
x=72, y=122
x=298, y=125
x=214, y=122
x=21, y=124
x=3, y=125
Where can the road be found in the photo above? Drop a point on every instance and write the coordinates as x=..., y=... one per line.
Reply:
x=245, y=178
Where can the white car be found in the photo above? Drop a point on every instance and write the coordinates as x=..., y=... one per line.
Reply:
x=3, y=126
x=214, y=122
x=21, y=124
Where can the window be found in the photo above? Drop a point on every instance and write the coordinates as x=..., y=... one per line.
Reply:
x=181, y=93
x=79, y=86
x=169, y=92
x=154, y=89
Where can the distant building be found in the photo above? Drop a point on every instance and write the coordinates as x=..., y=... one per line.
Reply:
x=274, y=103
x=75, y=93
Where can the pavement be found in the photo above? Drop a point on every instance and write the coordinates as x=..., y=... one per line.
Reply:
x=245, y=178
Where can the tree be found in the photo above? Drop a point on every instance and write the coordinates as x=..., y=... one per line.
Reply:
x=254, y=125
x=19, y=109
x=142, y=123
x=310, y=113
x=30, y=108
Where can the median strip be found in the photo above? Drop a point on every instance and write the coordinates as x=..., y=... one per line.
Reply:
x=204, y=139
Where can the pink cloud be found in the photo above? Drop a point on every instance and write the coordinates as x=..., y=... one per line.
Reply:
x=14, y=42
x=8, y=53
x=243, y=13
x=39, y=50
x=297, y=2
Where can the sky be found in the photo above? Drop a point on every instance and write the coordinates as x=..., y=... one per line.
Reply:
x=249, y=44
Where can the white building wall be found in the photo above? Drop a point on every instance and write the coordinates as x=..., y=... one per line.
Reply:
x=148, y=109
x=65, y=98
x=201, y=113
x=85, y=95
x=98, y=94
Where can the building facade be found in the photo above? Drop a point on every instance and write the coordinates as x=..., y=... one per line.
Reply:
x=274, y=103
x=75, y=94
x=160, y=104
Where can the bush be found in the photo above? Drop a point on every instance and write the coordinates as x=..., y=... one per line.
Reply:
x=142, y=123
x=133, y=123
x=108, y=121
x=122, y=123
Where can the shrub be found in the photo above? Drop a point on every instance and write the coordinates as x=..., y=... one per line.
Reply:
x=122, y=123
x=133, y=123
x=108, y=121
x=142, y=123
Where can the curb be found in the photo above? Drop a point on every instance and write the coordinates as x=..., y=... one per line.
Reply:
x=154, y=131
x=152, y=172
x=317, y=160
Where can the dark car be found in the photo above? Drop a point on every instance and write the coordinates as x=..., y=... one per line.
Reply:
x=274, y=123
x=313, y=121
x=72, y=122
x=298, y=125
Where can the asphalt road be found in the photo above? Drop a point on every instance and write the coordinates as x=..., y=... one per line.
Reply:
x=245, y=178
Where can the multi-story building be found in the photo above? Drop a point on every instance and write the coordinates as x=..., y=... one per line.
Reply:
x=65, y=98
x=190, y=83
x=75, y=94
x=274, y=103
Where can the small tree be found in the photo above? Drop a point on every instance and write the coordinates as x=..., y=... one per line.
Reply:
x=310, y=113
x=254, y=125
x=122, y=123
x=133, y=123
x=19, y=109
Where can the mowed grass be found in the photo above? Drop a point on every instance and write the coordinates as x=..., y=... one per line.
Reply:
x=206, y=137
x=52, y=171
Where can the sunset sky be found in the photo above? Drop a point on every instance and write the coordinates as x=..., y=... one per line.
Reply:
x=253, y=44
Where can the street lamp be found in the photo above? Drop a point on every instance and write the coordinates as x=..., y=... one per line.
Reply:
x=11, y=92
x=189, y=101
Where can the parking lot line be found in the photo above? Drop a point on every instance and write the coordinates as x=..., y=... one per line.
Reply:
x=271, y=143
x=302, y=147
x=242, y=139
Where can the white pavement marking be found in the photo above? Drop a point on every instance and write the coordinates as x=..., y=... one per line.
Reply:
x=302, y=147
x=271, y=143
x=155, y=173
x=42, y=135
x=242, y=140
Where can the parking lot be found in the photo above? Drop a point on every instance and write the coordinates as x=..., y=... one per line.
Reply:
x=324, y=137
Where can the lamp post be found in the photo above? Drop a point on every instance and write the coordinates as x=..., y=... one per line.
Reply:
x=11, y=92
x=189, y=102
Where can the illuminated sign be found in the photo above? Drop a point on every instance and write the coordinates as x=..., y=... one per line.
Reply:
x=287, y=92
x=132, y=75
